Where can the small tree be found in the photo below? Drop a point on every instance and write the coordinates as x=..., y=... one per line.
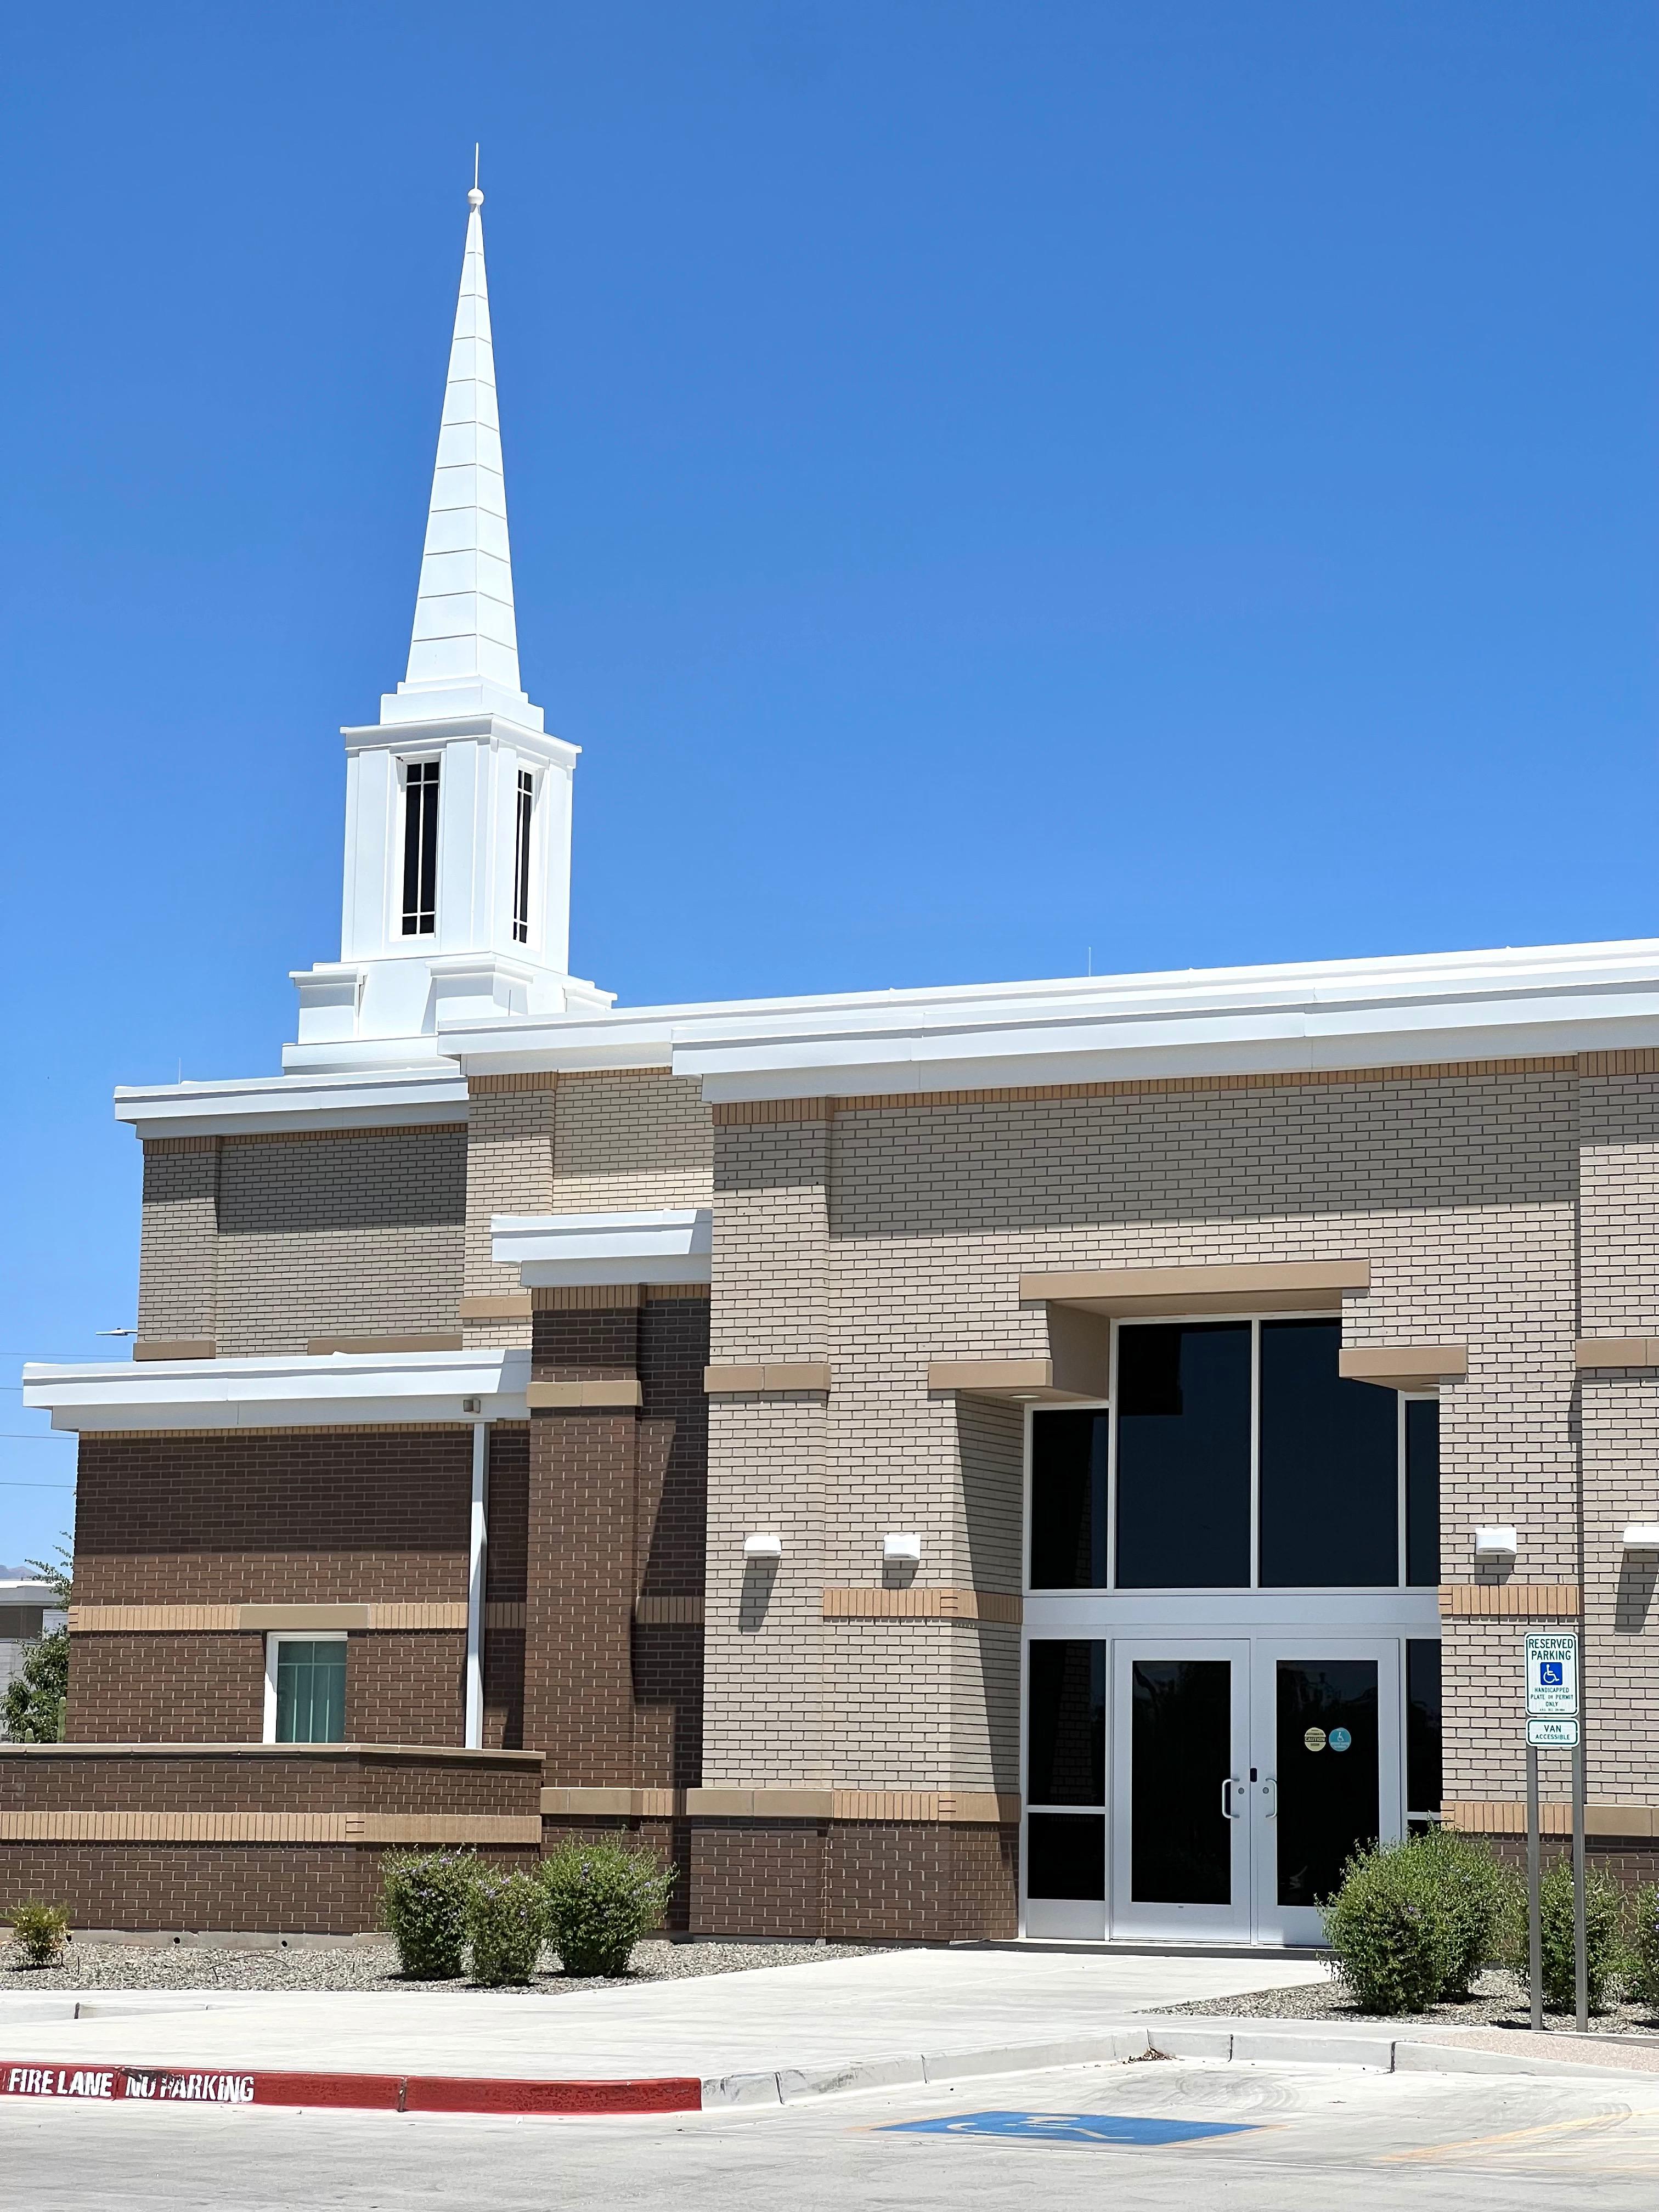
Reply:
x=37, y=1697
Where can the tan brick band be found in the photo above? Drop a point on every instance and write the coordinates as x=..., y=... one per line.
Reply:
x=613, y=1393
x=497, y=1305
x=1006, y=1608
x=505, y=1613
x=942, y=1807
x=1404, y=1366
x=206, y=1620
x=613, y=1804
x=172, y=1347
x=374, y=1828
x=1510, y=1600
x=1593, y=1351
x=668, y=1611
x=586, y=1298
x=735, y=1381
x=1508, y=1817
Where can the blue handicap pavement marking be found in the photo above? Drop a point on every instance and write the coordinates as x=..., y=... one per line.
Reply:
x=1070, y=2127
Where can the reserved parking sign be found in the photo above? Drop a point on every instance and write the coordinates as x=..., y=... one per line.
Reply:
x=1553, y=1677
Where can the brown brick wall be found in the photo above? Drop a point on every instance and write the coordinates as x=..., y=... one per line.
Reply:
x=253, y=1781
x=167, y=1689
x=294, y=1516
x=855, y=1881
x=615, y=1511
x=406, y=1688
x=505, y=1564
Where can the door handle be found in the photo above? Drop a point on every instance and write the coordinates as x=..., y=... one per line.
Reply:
x=1270, y=1791
x=1229, y=1809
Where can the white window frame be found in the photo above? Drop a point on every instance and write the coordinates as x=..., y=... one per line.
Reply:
x=275, y=1639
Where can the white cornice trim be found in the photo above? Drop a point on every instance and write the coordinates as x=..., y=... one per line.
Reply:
x=1531, y=1002
x=672, y=1244
x=399, y=1097
x=293, y=1391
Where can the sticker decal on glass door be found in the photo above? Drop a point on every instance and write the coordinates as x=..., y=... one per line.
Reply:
x=1327, y=1808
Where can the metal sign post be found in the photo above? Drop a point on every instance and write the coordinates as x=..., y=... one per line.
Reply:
x=1534, y=1892
x=1580, y=1942
x=1552, y=1723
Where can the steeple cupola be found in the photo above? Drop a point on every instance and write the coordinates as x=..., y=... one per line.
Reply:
x=457, y=892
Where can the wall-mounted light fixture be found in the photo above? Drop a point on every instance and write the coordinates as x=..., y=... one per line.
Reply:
x=472, y=1405
x=1642, y=1536
x=1494, y=1544
x=764, y=1544
x=901, y=1544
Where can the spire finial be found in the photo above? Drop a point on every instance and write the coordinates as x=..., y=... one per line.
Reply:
x=475, y=198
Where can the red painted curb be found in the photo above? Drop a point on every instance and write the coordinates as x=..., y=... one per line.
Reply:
x=385, y=2092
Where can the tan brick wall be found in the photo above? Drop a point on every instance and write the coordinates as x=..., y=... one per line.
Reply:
x=1459, y=1188
x=633, y=1139
x=359, y=1233
x=509, y=1170
x=179, y=1223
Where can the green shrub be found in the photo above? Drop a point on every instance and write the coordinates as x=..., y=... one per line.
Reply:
x=40, y=1932
x=506, y=1925
x=1391, y=1931
x=602, y=1894
x=1604, y=1937
x=423, y=1900
x=1642, y=1967
x=1480, y=1898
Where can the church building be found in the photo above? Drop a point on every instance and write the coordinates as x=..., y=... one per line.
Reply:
x=1065, y=1460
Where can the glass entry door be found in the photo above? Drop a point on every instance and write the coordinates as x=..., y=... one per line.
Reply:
x=1181, y=1796
x=1326, y=1751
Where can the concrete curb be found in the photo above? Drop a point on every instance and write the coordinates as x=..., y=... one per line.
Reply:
x=382, y=2093
x=789, y=2085
x=1123, y=2045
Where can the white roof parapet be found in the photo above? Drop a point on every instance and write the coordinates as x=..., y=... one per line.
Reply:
x=396, y=1097
x=1424, y=1009
x=296, y=1391
x=672, y=1244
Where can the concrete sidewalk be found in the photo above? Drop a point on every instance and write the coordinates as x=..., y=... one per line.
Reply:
x=815, y=2018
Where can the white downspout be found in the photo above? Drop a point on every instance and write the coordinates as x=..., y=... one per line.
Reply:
x=475, y=1587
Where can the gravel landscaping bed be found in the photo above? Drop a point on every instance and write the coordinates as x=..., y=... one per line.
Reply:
x=369, y=1966
x=1498, y=2000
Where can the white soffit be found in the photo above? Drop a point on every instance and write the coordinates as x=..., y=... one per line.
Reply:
x=672, y=1244
x=319, y=1391
x=385, y=1099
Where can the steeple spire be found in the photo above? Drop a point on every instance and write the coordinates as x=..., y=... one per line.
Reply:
x=464, y=650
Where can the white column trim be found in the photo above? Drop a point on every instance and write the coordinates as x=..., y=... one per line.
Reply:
x=475, y=1587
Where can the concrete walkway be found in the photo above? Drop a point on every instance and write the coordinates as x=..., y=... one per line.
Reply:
x=815, y=2018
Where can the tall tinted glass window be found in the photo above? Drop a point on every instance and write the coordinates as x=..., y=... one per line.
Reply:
x=1423, y=1493
x=420, y=849
x=1068, y=1501
x=1183, y=1456
x=1422, y=1726
x=1066, y=1738
x=1330, y=1464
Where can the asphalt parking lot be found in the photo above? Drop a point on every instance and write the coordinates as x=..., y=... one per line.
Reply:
x=1155, y=2134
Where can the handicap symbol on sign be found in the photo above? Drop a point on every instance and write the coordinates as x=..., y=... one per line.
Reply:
x=1549, y=1674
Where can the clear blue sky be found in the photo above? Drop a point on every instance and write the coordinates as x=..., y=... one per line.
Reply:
x=987, y=480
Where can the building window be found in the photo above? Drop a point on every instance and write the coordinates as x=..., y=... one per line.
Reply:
x=420, y=848
x=521, y=858
x=1066, y=1755
x=305, y=1689
x=1236, y=1457
x=1423, y=1493
x=1422, y=1733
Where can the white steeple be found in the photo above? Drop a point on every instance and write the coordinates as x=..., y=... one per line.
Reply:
x=457, y=895
x=465, y=640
